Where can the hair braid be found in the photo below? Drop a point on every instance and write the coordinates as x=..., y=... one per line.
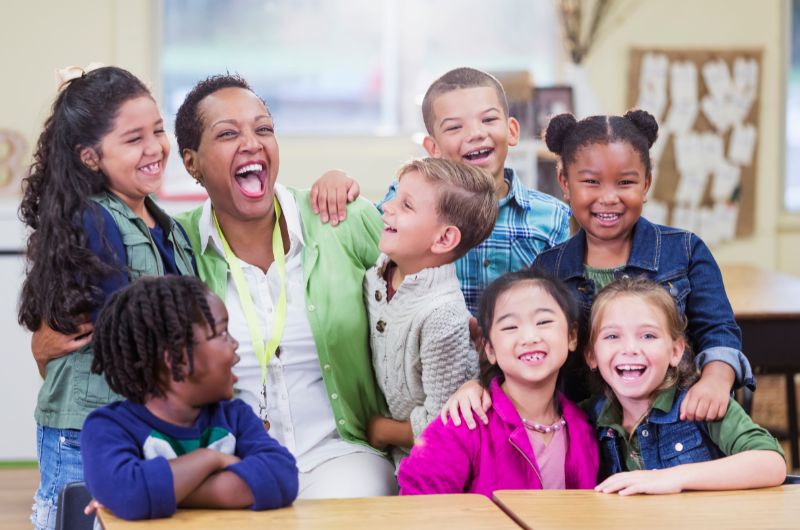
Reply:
x=142, y=322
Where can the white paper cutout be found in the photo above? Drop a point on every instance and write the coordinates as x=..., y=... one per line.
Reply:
x=691, y=186
x=742, y=144
x=688, y=152
x=684, y=106
x=713, y=150
x=727, y=218
x=708, y=227
x=656, y=212
x=714, y=109
x=717, y=78
x=684, y=218
x=653, y=84
x=726, y=179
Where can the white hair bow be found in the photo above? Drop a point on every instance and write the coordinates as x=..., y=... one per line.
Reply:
x=65, y=75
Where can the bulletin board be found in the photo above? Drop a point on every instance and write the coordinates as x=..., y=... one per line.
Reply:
x=704, y=163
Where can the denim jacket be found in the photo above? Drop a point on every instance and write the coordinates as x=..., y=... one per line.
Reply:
x=681, y=262
x=664, y=439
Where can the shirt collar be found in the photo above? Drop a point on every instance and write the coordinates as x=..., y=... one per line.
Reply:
x=611, y=417
x=289, y=209
x=516, y=191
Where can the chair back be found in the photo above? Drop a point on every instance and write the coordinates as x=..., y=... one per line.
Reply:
x=72, y=499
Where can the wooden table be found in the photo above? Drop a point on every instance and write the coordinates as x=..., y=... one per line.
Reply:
x=586, y=510
x=439, y=512
x=766, y=306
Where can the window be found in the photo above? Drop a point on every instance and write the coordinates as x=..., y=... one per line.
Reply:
x=350, y=67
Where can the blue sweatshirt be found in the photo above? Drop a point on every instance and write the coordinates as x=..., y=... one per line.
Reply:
x=125, y=450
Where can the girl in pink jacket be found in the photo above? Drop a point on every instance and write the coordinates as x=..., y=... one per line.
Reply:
x=535, y=438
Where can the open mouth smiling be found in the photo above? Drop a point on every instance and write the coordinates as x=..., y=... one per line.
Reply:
x=534, y=357
x=388, y=228
x=630, y=372
x=251, y=179
x=479, y=155
x=151, y=169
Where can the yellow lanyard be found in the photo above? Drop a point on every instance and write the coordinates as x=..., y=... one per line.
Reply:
x=263, y=353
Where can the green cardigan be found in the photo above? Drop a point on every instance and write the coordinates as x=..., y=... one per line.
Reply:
x=335, y=259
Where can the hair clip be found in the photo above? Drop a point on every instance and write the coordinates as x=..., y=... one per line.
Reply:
x=65, y=75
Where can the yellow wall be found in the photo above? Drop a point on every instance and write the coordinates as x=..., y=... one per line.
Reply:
x=715, y=24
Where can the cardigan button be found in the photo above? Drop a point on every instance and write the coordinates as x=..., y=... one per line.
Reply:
x=327, y=367
x=311, y=308
x=341, y=422
x=378, y=296
x=381, y=325
x=334, y=396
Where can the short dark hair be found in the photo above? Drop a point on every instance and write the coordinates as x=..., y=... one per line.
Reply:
x=565, y=136
x=459, y=79
x=189, y=120
x=550, y=284
x=139, y=323
x=465, y=198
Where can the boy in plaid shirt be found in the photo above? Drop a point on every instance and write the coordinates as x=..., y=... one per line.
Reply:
x=466, y=116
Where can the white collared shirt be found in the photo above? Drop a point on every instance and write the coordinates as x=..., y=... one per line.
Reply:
x=299, y=412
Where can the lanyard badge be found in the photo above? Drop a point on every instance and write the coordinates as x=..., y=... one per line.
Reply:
x=263, y=352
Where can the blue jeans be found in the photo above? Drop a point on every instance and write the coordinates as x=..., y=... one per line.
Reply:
x=59, y=455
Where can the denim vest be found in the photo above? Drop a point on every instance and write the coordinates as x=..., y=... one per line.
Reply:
x=679, y=261
x=70, y=390
x=664, y=439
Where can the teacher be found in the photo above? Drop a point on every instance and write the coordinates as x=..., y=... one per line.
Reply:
x=292, y=289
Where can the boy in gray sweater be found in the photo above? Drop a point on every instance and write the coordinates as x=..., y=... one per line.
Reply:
x=419, y=323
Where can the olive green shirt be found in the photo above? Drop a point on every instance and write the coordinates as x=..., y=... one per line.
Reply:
x=733, y=434
x=601, y=277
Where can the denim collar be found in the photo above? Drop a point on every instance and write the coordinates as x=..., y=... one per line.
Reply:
x=161, y=217
x=644, y=251
x=666, y=409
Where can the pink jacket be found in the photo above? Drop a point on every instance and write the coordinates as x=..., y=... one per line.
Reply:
x=497, y=456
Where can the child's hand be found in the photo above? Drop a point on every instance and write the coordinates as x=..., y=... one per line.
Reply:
x=374, y=437
x=708, y=399
x=656, y=482
x=92, y=507
x=475, y=334
x=330, y=195
x=470, y=397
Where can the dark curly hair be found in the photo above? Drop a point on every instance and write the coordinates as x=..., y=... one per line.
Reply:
x=486, y=309
x=63, y=274
x=565, y=136
x=139, y=323
x=189, y=120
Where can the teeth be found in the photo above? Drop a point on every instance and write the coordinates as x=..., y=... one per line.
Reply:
x=151, y=167
x=607, y=216
x=387, y=226
x=630, y=367
x=251, y=167
x=533, y=357
x=482, y=151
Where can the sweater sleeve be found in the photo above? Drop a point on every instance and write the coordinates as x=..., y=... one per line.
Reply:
x=448, y=360
x=440, y=462
x=268, y=469
x=117, y=476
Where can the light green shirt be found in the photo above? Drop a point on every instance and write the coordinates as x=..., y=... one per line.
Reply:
x=601, y=277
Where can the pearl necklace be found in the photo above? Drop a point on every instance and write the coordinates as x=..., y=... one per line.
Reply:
x=539, y=428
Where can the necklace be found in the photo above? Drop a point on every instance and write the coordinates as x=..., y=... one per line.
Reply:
x=544, y=429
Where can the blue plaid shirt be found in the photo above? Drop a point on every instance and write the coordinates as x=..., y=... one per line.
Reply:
x=528, y=222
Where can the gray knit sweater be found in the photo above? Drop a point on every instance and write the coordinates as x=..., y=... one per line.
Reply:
x=421, y=348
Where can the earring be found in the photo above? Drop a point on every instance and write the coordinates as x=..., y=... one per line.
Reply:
x=593, y=369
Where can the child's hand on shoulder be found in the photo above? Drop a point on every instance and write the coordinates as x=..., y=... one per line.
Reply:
x=651, y=482
x=374, y=432
x=471, y=397
x=330, y=195
x=708, y=399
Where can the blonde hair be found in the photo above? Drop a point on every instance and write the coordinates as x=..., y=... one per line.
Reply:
x=465, y=197
x=652, y=294
x=459, y=79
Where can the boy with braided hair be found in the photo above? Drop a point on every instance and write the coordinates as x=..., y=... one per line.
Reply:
x=177, y=439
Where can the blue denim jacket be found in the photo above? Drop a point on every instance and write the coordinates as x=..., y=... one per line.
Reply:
x=681, y=262
x=664, y=440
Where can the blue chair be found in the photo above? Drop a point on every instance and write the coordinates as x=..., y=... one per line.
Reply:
x=791, y=479
x=72, y=499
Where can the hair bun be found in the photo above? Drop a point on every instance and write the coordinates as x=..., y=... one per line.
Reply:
x=645, y=122
x=557, y=129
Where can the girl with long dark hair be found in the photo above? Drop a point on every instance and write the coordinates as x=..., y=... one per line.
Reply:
x=93, y=230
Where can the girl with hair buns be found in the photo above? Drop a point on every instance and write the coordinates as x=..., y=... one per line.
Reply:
x=605, y=173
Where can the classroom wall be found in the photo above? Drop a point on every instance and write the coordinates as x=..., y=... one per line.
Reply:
x=37, y=36
x=715, y=24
